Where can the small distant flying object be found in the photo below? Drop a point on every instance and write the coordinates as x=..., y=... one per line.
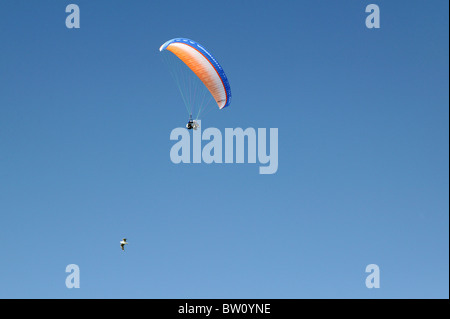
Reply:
x=123, y=243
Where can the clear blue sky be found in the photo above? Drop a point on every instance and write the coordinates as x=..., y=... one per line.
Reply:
x=363, y=120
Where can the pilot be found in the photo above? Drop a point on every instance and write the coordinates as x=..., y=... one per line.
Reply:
x=192, y=124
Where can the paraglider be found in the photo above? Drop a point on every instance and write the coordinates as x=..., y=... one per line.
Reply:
x=198, y=75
